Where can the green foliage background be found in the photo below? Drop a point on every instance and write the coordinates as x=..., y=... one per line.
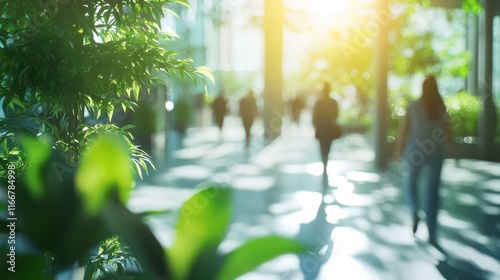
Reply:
x=64, y=57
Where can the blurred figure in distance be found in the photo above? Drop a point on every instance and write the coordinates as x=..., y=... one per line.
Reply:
x=248, y=113
x=219, y=110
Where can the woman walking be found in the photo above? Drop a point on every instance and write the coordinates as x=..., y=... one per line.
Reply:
x=425, y=132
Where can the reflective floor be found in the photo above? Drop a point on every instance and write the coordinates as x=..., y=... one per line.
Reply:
x=358, y=229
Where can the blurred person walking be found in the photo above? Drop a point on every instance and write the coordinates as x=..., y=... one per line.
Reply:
x=324, y=118
x=297, y=105
x=219, y=110
x=424, y=134
x=248, y=113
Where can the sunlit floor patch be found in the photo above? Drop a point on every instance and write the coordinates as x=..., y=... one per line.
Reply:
x=492, y=185
x=307, y=207
x=147, y=198
x=223, y=151
x=316, y=168
x=359, y=176
x=480, y=260
x=333, y=214
x=483, y=166
x=394, y=234
x=420, y=269
x=291, y=156
x=349, y=240
x=294, y=168
x=337, y=180
x=246, y=169
x=492, y=198
x=192, y=172
x=328, y=198
x=352, y=199
x=283, y=207
x=356, y=155
x=475, y=236
x=467, y=199
x=446, y=219
x=463, y=177
x=343, y=266
x=192, y=153
x=345, y=186
x=304, y=208
x=257, y=183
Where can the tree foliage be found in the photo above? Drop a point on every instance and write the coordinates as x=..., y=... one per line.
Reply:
x=347, y=54
x=62, y=58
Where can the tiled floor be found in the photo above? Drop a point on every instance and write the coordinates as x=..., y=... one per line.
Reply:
x=359, y=229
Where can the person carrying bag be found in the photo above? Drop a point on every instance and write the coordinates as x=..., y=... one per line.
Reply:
x=325, y=113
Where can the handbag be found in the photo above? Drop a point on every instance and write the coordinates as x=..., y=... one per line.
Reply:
x=336, y=130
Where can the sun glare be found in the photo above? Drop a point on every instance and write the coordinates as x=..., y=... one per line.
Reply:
x=326, y=14
x=319, y=7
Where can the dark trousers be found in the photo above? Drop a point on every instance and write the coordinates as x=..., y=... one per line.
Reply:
x=325, y=145
x=247, y=125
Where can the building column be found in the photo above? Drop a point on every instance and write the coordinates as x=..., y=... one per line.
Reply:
x=487, y=120
x=381, y=71
x=273, y=68
x=198, y=36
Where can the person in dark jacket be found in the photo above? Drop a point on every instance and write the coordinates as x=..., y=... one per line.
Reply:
x=219, y=110
x=325, y=113
x=248, y=113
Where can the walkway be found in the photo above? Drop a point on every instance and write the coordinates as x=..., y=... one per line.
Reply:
x=362, y=231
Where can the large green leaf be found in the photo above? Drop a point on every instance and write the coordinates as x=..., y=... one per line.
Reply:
x=202, y=225
x=38, y=154
x=256, y=252
x=103, y=170
x=142, y=243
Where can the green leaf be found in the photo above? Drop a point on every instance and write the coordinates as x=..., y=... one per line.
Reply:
x=110, y=110
x=103, y=170
x=256, y=252
x=183, y=2
x=136, y=88
x=18, y=103
x=128, y=126
x=205, y=71
x=138, y=168
x=144, y=166
x=151, y=213
x=142, y=242
x=202, y=224
x=38, y=154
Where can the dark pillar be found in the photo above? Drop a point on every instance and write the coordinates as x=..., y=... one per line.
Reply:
x=381, y=56
x=273, y=80
x=487, y=121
